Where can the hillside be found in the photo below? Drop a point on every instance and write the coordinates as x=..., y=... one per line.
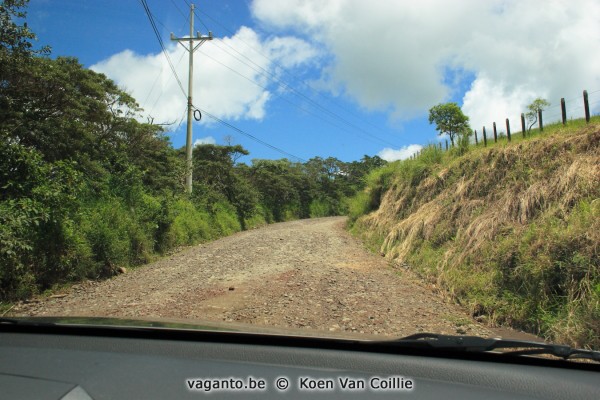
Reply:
x=511, y=231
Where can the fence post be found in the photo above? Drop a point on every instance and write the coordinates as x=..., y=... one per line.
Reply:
x=563, y=108
x=476, y=141
x=440, y=145
x=495, y=134
x=540, y=121
x=586, y=106
x=523, y=124
x=484, y=139
x=508, y=129
x=446, y=144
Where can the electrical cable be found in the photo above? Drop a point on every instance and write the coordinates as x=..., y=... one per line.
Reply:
x=288, y=86
x=287, y=100
x=315, y=104
x=242, y=132
x=162, y=45
x=230, y=126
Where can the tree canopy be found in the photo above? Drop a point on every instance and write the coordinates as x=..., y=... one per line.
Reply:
x=533, y=110
x=449, y=120
x=87, y=185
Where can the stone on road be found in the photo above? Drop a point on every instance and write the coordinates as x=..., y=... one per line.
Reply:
x=307, y=274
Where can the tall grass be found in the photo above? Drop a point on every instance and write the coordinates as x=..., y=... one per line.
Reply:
x=511, y=231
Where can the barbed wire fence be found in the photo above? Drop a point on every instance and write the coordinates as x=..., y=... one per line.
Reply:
x=565, y=111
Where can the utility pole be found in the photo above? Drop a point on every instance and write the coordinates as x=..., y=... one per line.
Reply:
x=188, y=142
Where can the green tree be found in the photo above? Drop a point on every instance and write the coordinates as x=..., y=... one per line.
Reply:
x=85, y=186
x=352, y=176
x=15, y=38
x=16, y=52
x=275, y=181
x=449, y=120
x=534, y=108
x=215, y=170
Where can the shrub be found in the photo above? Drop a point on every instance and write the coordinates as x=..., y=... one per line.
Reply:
x=320, y=208
x=189, y=225
x=225, y=219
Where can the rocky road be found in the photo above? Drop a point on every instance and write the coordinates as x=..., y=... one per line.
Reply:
x=310, y=275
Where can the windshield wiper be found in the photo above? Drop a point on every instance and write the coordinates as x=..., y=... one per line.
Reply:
x=474, y=344
x=480, y=344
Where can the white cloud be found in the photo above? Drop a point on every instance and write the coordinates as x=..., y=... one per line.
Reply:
x=217, y=89
x=205, y=140
x=402, y=153
x=394, y=55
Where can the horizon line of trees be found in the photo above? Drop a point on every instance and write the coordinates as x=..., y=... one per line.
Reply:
x=85, y=187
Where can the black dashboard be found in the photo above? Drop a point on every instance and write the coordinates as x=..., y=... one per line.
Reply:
x=104, y=363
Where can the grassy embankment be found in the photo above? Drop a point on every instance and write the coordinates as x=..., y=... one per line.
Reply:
x=511, y=230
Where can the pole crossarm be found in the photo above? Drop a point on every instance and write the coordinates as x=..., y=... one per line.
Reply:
x=191, y=39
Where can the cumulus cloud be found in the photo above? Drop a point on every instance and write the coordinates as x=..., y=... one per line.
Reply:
x=402, y=153
x=395, y=56
x=205, y=140
x=222, y=75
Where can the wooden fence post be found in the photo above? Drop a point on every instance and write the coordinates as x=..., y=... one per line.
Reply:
x=523, y=124
x=586, y=106
x=484, y=139
x=476, y=141
x=540, y=121
x=495, y=134
x=446, y=144
x=563, y=108
x=508, y=129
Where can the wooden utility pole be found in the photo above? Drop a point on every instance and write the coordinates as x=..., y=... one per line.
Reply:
x=188, y=141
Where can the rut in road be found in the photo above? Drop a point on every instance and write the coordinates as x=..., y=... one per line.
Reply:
x=307, y=274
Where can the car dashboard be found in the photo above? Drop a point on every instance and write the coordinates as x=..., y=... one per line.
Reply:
x=54, y=362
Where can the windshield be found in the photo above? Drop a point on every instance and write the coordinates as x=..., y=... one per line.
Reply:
x=369, y=170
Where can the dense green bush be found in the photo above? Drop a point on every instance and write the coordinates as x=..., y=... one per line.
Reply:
x=320, y=208
x=85, y=187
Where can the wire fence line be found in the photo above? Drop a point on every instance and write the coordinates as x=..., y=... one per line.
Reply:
x=563, y=112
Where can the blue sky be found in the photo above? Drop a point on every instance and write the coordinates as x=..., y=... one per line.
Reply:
x=339, y=78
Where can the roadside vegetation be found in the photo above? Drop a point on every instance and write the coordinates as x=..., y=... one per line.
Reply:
x=511, y=230
x=88, y=188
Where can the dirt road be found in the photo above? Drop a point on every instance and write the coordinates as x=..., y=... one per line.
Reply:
x=308, y=274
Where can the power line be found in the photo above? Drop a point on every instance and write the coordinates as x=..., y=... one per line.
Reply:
x=178, y=9
x=230, y=126
x=315, y=104
x=161, y=90
x=240, y=131
x=160, y=72
x=287, y=100
x=288, y=86
x=162, y=45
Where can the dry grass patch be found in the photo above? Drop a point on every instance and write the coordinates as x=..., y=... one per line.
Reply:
x=510, y=231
